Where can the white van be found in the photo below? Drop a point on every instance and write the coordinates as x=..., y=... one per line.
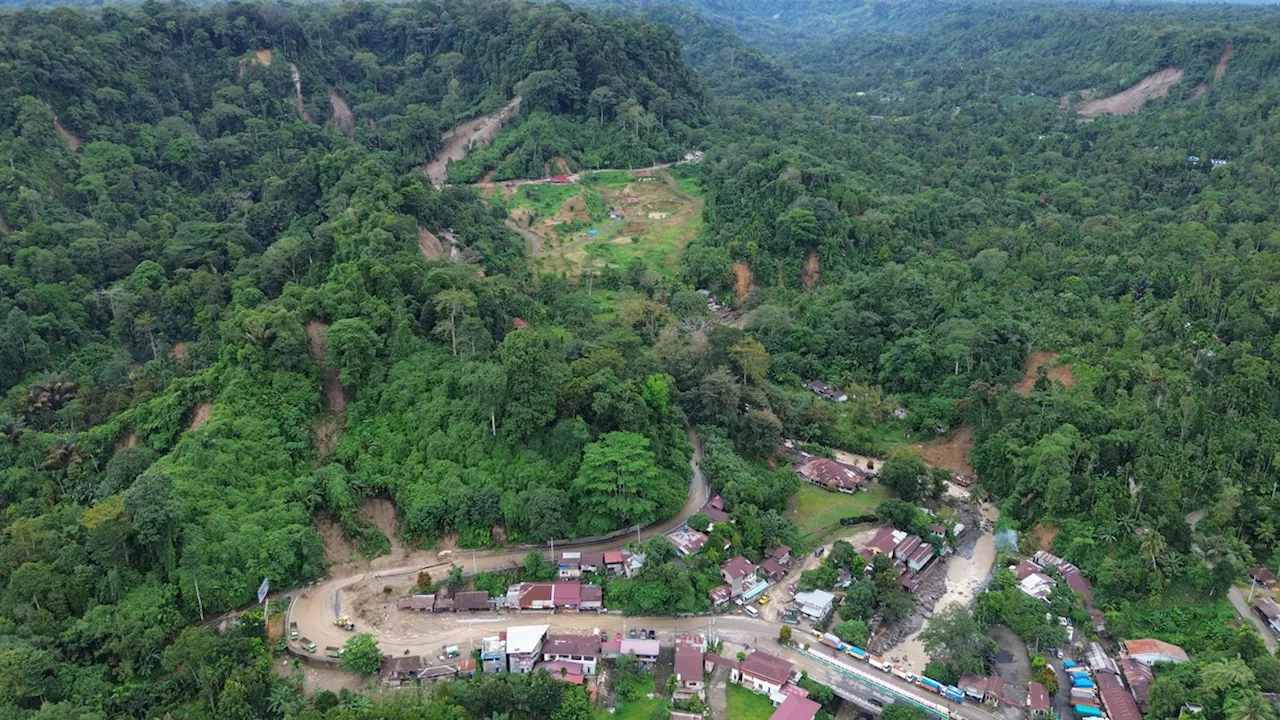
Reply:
x=750, y=611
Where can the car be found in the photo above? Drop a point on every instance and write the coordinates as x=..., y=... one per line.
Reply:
x=632, y=634
x=653, y=634
x=1060, y=655
x=764, y=599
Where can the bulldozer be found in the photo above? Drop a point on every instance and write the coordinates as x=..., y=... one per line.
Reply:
x=345, y=623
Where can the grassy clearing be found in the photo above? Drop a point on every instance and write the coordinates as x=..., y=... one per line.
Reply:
x=819, y=512
x=746, y=705
x=642, y=709
x=609, y=178
x=545, y=200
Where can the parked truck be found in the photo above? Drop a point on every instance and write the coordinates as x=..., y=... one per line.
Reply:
x=832, y=641
x=856, y=652
x=953, y=693
x=307, y=645
x=293, y=631
x=931, y=684
x=879, y=663
x=903, y=674
x=332, y=652
x=1088, y=711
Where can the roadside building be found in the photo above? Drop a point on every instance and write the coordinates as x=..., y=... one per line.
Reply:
x=781, y=554
x=417, y=603
x=475, y=601
x=772, y=569
x=688, y=667
x=831, y=475
x=796, y=708
x=582, y=650
x=687, y=541
x=524, y=647
x=1118, y=702
x=1139, y=678
x=765, y=673
x=592, y=598
x=400, y=671
x=1263, y=576
x=736, y=571
x=493, y=653
x=1267, y=608
x=815, y=604
x=720, y=595
x=1037, y=697
x=615, y=561
x=1149, y=651
x=646, y=651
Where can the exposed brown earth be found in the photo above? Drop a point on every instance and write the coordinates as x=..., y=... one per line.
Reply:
x=429, y=244
x=342, y=114
x=130, y=440
x=69, y=139
x=1062, y=373
x=744, y=279
x=458, y=140
x=297, y=92
x=199, y=416
x=1224, y=62
x=180, y=351
x=328, y=428
x=1045, y=535
x=811, y=274
x=951, y=452
x=1127, y=102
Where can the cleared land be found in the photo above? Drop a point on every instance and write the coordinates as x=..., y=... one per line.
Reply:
x=819, y=512
x=647, y=216
x=951, y=452
x=1126, y=102
x=1057, y=372
x=459, y=140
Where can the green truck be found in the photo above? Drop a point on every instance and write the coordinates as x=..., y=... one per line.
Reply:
x=293, y=631
x=307, y=645
x=333, y=652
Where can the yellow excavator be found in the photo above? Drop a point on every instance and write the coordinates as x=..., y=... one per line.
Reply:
x=345, y=623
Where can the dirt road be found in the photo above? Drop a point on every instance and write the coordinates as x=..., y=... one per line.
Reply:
x=457, y=141
x=1240, y=601
x=316, y=608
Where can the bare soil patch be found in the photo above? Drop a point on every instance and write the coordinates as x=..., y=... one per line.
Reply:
x=1224, y=62
x=1200, y=91
x=381, y=513
x=743, y=280
x=342, y=114
x=199, y=416
x=180, y=351
x=337, y=549
x=1062, y=373
x=1126, y=102
x=951, y=452
x=429, y=244
x=335, y=400
x=811, y=274
x=130, y=440
x=458, y=140
x=316, y=677
x=1045, y=535
x=264, y=56
x=297, y=92
x=562, y=166
x=69, y=139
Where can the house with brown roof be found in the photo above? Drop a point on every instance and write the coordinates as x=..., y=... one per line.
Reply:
x=584, y=650
x=1139, y=678
x=688, y=667
x=796, y=708
x=920, y=557
x=906, y=547
x=592, y=598
x=831, y=475
x=1037, y=697
x=826, y=391
x=736, y=571
x=472, y=601
x=615, y=561
x=687, y=541
x=781, y=554
x=885, y=541
x=765, y=673
x=772, y=570
x=1117, y=701
x=983, y=689
x=1267, y=608
x=1150, y=651
x=397, y=671
x=1263, y=576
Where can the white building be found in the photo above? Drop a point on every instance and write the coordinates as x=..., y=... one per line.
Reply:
x=815, y=604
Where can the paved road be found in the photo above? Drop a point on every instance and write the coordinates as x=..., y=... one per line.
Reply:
x=315, y=610
x=1240, y=600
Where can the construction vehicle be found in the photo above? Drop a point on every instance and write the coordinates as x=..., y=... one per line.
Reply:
x=307, y=645
x=345, y=622
x=293, y=631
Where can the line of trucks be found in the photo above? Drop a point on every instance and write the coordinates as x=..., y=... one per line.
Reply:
x=1084, y=693
x=950, y=692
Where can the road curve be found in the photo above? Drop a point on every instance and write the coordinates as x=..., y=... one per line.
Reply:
x=315, y=609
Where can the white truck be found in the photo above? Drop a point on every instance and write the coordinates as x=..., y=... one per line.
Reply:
x=903, y=674
x=879, y=663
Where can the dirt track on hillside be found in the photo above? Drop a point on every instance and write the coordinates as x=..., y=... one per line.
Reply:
x=458, y=140
x=1049, y=361
x=342, y=114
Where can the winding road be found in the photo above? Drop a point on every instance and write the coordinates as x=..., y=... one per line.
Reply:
x=315, y=610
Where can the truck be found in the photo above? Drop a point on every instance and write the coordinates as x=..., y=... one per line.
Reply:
x=1083, y=683
x=791, y=620
x=832, y=641
x=293, y=631
x=451, y=651
x=878, y=663
x=855, y=652
x=931, y=684
x=344, y=622
x=1068, y=665
x=953, y=693
x=332, y=652
x=307, y=645
x=903, y=674
x=1088, y=711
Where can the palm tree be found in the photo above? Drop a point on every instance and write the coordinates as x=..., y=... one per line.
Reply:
x=1152, y=546
x=1224, y=675
x=1251, y=707
x=48, y=393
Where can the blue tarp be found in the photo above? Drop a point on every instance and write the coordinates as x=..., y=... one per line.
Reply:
x=593, y=232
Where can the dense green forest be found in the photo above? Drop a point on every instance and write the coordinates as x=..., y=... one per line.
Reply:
x=217, y=326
